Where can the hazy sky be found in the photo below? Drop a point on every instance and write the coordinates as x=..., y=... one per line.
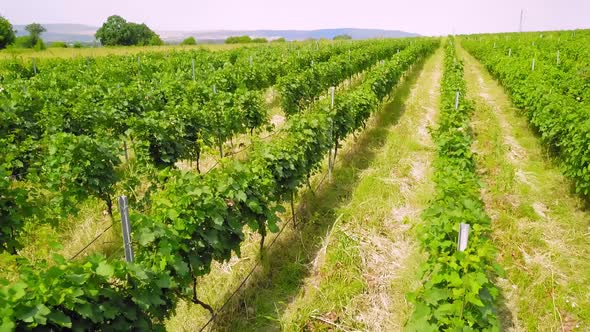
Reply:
x=429, y=17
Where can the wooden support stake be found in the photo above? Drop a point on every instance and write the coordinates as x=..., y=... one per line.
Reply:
x=457, y=100
x=293, y=209
x=126, y=152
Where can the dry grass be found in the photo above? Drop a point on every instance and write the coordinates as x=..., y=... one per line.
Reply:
x=74, y=234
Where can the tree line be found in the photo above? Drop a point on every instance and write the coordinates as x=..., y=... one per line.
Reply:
x=8, y=35
x=115, y=31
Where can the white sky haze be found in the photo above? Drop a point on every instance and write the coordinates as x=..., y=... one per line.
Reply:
x=427, y=17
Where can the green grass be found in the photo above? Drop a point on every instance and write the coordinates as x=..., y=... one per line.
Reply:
x=539, y=226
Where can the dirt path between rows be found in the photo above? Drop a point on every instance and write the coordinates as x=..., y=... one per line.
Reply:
x=387, y=257
x=377, y=226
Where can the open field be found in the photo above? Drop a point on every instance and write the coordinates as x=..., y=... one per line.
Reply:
x=54, y=52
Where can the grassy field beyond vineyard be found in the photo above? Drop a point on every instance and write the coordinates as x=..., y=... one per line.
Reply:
x=298, y=186
x=103, y=51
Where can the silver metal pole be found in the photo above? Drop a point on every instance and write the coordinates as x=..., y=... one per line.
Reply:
x=126, y=227
x=463, y=236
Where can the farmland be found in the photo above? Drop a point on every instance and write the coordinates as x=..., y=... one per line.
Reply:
x=300, y=186
x=104, y=51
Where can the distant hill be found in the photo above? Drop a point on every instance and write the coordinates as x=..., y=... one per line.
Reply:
x=288, y=34
x=85, y=33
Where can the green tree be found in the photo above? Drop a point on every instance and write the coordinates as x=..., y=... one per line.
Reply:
x=141, y=35
x=156, y=40
x=7, y=35
x=35, y=30
x=342, y=37
x=115, y=31
x=23, y=42
x=278, y=40
x=39, y=45
x=189, y=41
x=259, y=40
x=58, y=44
x=238, y=40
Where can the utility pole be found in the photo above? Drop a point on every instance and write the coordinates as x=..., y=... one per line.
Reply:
x=521, y=16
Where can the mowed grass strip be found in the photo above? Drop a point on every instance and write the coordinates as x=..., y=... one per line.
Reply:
x=369, y=259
